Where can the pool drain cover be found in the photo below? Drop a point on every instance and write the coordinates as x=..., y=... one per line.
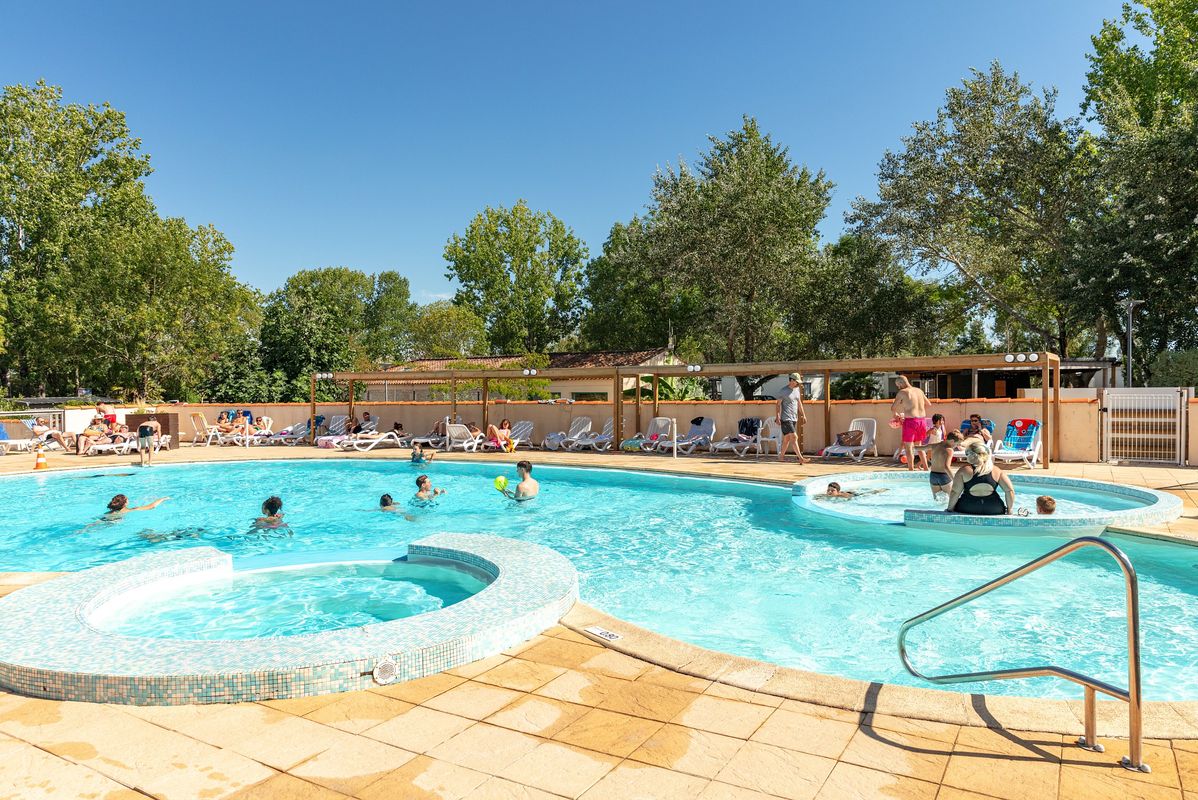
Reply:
x=386, y=671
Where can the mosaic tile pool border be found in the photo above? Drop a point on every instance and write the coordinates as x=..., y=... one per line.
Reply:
x=48, y=648
x=1162, y=507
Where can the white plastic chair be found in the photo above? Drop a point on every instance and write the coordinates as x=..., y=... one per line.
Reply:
x=869, y=432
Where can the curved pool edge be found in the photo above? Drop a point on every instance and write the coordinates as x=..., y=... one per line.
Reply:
x=1161, y=509
x=48, y=649
x=870, y=700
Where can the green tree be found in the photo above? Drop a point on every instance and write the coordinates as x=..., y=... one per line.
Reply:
x=239, y=377
x=855, y=386
x=1175, y=368
x=317, y=322
x=64, y=168
x=669, y=389
x=520, y=271
x=444, y=330
x=995, y=188
x=388, y=319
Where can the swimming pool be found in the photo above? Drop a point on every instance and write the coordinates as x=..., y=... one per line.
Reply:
x=733, y=566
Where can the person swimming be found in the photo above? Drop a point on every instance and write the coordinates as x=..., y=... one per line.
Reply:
x=420, y=455
x=272, y=513
x=527, y=488
x=425, y=491
x=835, y=492
x=119, y=506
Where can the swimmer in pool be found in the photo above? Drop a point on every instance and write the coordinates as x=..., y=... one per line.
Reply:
x=527, y=488
x=1046, y=505
x=835, y=492
x=272, y=513
x=387, y=503
x=425, y=490
x=420, y=455
x=119, y=507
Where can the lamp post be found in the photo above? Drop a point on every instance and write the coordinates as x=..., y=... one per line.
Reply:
x=1131, y=307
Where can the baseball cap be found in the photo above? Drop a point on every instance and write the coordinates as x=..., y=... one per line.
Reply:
x=794, y=376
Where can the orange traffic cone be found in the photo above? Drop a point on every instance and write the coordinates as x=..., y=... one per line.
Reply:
x=41, y=460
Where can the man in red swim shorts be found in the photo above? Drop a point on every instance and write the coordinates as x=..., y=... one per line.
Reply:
x=911, y=406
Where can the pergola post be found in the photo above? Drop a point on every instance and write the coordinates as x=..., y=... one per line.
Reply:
x=1045, y=441
x=1056, y=407
x=637, y=388
x=453, y=398
x=312, y=413
x=486, y=398
x=351, y=399
x=617, y=409
x=656, y=400
x=828, y=406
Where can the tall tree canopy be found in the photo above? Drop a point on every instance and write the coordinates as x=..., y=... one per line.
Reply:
x=444, y=330
x=520, y=270
x=994, y=188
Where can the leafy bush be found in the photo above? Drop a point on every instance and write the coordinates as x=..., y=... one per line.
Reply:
x=1175, y=368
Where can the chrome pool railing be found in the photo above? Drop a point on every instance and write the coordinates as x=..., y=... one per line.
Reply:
x=1130, y=695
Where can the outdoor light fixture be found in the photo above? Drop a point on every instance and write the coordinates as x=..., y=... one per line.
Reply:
x=694, y=367
x=324, y=376
x=1033, y=356
x=530, y=372
x=1021, y=357
x=1009, y=357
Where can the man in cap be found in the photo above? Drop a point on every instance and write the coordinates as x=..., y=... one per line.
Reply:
x=790, y=412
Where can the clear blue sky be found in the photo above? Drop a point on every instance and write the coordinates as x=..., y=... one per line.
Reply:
x=317, y=135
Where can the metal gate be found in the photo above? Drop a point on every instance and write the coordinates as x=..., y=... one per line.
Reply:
x=1144, y=425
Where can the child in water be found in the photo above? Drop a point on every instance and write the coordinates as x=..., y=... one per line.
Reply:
x=119, y=506
x=272, y=513
x=1045, y=505
x=420, y=455
x=425, y=490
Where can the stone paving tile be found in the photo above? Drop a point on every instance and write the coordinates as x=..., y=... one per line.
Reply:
x=501, y=789
x=423, y=778
x=736, y=693
x=472, y=699
x=358, y=711
x=673, y=680
x=29, y=772
x=726, y=791
x=925, y=729
x=540, y=716
x=583, y=688
x=1087, y=783
x=520, y=675
x=688, y=750
x=1004, y=777
x=1024, y=744
x=352, y=766
x=805, y=733
x=1185, y=755
x=561, y=769
x=617, y=665
x=475, y=668
x=485, y=748
x=419, y=730
x=649, y=700
x=728, y=717
x=632, y=781
x=777, y=771
x=286, y=787
x=608, y=732
x=560, y=653
x=1158, y=756
x=898, y=753
x=421, y=689
x=299, y=706
x=851, y=782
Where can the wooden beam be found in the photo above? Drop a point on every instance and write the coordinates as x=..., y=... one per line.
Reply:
x=1056, y=405
x=637, y=388
x=486, y=399
x=828, y=406
x=312, y=413
x=453, y=399
x=656, y=398
x=617, y=411
x=1045, y=440
x=351, y=399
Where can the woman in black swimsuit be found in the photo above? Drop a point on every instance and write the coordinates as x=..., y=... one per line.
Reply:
x=976, y=485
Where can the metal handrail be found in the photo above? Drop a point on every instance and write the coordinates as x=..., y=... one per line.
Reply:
x=1130, y=695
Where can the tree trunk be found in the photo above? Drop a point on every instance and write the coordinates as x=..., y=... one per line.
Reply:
x=749, y=385
x=1100, y=337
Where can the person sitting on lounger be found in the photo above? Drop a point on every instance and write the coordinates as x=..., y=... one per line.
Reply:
x=500, y=437
x=977, y=430
x=43, y=431
x=95, y=433
x=976, y=485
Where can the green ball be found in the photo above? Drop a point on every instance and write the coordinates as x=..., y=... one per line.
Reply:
x=501, y=483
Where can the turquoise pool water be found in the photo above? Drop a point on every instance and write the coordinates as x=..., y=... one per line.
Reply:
x=288, y=601
x=728, y=565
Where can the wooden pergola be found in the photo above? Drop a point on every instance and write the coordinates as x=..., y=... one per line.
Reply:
x=1048, y=363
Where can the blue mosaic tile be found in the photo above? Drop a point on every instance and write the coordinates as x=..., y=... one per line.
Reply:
x=49, y=649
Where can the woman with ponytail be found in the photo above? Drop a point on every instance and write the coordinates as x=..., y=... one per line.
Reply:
x=976, y=485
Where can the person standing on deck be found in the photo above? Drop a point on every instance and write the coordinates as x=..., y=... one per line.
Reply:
x=910, y=407
x=790, y=412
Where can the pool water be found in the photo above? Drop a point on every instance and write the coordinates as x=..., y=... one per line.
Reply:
x=733, y=566
x=887, y=501
x=286, y=602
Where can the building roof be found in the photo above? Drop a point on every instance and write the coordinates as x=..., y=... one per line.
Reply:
x=598, y=358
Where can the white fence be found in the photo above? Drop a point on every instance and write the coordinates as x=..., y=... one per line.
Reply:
x=1144, y=425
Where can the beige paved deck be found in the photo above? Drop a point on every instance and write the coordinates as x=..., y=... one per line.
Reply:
x=564, y=716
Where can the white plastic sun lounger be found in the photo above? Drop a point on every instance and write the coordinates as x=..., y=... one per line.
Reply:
x=595, y=441
x=459, y=437
x=290, y=435
x=368, y=443
x=869, y=432
x=699, y=435
x=431, y=439
x=735, y=443
x=521, y=434
x=579, y=426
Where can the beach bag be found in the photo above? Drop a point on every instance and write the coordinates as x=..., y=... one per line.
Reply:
x=850, y=438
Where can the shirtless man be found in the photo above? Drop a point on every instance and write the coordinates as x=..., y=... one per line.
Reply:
x=527, y=488
x=42, y=429
x=911, y=407
x=940, y=472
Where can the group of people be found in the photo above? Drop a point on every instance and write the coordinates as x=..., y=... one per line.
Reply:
x=104, y=429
